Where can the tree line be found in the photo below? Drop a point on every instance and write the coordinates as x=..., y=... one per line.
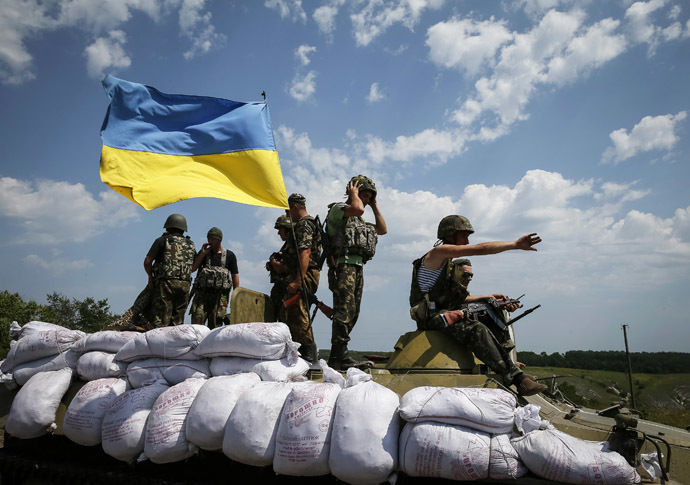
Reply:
x=611, y=360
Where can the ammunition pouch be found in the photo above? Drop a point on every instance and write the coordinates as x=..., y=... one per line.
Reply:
x=358, y=238
x=420, y=312
x=214, y=277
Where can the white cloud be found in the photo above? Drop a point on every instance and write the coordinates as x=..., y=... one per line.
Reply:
x=56, y=264
x=429, y=143
x=291, y=9
x=303, y=88
x=538, y=7
x=51, y=212
x=640, y=26
x=651, y=133
x=196, y=25
x=324, y=16
x=107, y=54
x=375, y=17
x=303, y=52
x=621, y=192
x=466, y=44
x=375, y=94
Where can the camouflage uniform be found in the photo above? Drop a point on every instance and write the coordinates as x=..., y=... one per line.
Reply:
x=137, y=314
x=212, y=288
x=211, y=305
x=173, y=255
x=279, y=282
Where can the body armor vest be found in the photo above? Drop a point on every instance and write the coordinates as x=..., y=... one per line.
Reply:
x=448, y=293
x=356, y=237
x=175, y=262
x=214, y=277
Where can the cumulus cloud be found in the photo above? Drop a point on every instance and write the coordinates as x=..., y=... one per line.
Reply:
x=651, y=133
x=375, y=17
x=375, y=93
x=195, y=24
x=56, y=264
x=324, y=16
x=107, y=54
x=640, y=26
x=303, y=87
x=290, y=9
x=303, y=52
x=51, y=212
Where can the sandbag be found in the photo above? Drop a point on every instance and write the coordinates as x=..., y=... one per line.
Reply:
x=490, y=410
x=124, y=423
x=33, y=410
x=23, y=372
x=104, y=341
x=45, y=343
x=440, y=450
x=268, y=370
x=17, y=331
x=99, y=365
x=260, y=340
x=7, y=365
x=250, y=433
x=166, y=437
x=212, y=407
x=84, y=417
x=165, y=342
x=303, y=440
x=366, y=428
x=147, y=371
x=557, y=456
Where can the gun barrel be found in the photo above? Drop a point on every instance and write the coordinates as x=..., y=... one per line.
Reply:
x=523, y=314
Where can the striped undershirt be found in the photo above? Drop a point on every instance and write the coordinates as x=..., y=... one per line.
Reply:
x=426, y=278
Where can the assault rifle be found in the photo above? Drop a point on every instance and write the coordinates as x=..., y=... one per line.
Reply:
x=325, y=309
x=493, y=310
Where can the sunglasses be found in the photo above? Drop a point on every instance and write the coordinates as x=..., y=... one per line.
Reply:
x=467, y=274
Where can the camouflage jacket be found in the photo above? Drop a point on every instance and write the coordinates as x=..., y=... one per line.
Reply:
x=308, y=236
x=175, y=258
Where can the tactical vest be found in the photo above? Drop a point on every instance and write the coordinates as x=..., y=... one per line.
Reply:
x=448, y=293
x=214, y=277
x=356, y=237
x=176, y=258
x=291, y=257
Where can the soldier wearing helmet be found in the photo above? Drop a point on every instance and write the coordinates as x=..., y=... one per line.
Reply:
x=352, y=243
x=438, y=296
x=169, y=267
x=277, y=269
x=217, y=275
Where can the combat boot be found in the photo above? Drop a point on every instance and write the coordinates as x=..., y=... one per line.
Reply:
x=310, y=353
x=528, y=387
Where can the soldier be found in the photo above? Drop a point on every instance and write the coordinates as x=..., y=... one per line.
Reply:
x=438, y=294
x=352, y=244
x=217, y=275
x=302, y=260
x=169, y=267
x=278, y=270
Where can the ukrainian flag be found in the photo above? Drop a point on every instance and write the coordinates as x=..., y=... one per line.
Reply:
x=161, y=148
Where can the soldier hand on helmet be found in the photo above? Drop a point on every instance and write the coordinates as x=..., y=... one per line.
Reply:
x=353, y=187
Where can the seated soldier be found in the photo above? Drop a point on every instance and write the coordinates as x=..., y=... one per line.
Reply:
x=438, y=295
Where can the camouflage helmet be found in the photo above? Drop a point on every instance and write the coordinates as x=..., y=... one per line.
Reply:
x=365, y=183
x=298, y=199
x=176, y=221
x=449, y=225
x=283, y=221
x=216, y=233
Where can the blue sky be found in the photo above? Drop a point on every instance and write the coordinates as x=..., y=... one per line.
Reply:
x=552, y=116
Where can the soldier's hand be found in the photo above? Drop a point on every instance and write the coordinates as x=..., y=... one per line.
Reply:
x=205, y=247
x=292, y=288
x=527, y=242
x=511, y=307
x=353, y=188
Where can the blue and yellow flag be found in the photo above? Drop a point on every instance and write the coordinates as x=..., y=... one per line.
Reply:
x=161, y=148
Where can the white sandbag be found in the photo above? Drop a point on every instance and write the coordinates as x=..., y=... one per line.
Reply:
x=33, y=410
x=268, y=370
x=124, y=423
x=17, y=331
x=146, y=372
x=105, y=341
x=167, y=342
x=44, y=343
x=490, y=410
x=303, y=440
x=366, y=428
x=7, y=364
x=557, y=456
x=440, y=450
x=7, y=379
x=23, y=372
x=84, y=417
x=99, y=365
x=213, y=404
x=260, y=340
x=166, y=438
x=250, y=433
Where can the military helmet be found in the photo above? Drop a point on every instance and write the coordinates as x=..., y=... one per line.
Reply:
x=449, y=225
x=298, y=199
x=216, y=233
x=176, y=221
x=365, y=183
x=283, y=221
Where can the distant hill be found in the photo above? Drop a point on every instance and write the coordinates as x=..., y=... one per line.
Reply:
x=612, y=360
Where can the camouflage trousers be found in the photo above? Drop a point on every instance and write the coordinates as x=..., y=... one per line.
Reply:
x=169, y=301
x=296, y=315
x=138, y=313
x=277, y=296
x=483, y=344
x=346, y=281
x=209, y=305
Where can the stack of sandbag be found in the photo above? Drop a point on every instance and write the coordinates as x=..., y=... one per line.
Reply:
x=165, y=355
x=97, y=354
x=85, y=414
x=265, y=348
x=34, y=407
x=458, y=434
x=41, y=347
x=366, y=428
x=557, y=456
